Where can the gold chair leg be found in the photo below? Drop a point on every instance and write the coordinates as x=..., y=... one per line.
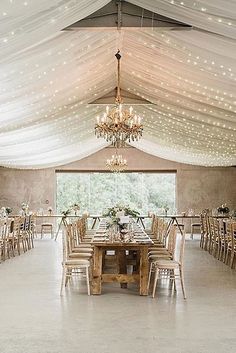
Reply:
x=155, y=282
x=182, y=283
x=87, y=279
x=149, y=278
x=63, y=280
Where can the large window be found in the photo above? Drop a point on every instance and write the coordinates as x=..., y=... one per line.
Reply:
x=96, y=191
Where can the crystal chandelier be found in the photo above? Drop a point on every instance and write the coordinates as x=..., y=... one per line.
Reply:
x=118, y=125
x=117, y=163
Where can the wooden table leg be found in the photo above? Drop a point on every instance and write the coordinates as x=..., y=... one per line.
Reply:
x=143, y=271
x=97, y=271
x=137, y=265
x=122, y=265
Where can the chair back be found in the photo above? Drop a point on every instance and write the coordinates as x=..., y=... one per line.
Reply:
x=66, y=240
x=154, y=225
x=179, y=251
x=2, y=229
x=231, y=233
x=161, y=230
x=80, y=230
x=17, y=225
x=171, y=242
x=204, y=221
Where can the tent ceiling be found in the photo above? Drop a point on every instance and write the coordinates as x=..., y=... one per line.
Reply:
x=49, y=77
x=119, y=14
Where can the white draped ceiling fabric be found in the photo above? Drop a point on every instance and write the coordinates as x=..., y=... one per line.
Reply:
x=49, y=77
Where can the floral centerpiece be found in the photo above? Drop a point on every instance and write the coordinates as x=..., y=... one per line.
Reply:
x=75, y=207
x=223, y=209
x=112, y=211
x=166, y=209
x=119, y=215
x=66, y=213
x=3, y=212
x=25, y=208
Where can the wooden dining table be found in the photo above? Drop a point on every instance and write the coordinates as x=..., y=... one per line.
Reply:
x=139, y=245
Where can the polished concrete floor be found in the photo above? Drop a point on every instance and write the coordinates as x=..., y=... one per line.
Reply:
x=35, y=319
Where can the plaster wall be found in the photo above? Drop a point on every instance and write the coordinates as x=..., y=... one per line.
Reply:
x=196, y=187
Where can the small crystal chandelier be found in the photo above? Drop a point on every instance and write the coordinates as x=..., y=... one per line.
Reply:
x=117, y=163
x=118, y=125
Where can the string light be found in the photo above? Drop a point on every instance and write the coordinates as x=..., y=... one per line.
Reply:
x=44, y=98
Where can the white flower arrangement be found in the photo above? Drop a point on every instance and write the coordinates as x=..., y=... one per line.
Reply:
x=75, y=207
x=24, y=206
x=3, y=212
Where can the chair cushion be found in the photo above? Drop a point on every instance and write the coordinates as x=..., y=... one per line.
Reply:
x=90, y=232
x=80, y=255
x=79, y=262
x=157, y=257
x=82, y=250
x=166, y=264
x=156, y=252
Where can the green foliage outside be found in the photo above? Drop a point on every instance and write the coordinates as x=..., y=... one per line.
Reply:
x=95, y=192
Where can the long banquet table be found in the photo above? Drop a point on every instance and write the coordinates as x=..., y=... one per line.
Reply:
x=140, y=243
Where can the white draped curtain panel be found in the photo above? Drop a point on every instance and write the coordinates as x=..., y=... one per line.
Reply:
x=48, y=77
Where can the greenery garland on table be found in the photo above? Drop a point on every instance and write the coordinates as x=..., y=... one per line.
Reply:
x=112, y=211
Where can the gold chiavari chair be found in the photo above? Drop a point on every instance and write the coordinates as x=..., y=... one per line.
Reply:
x=76, y=244
x=166, y=268
x=88, y=233
x=165, y=251
x=214, y=236
x=28, y=232
x=151, y=232
x=231, y=248
x=2, y=240
x=204, y=228
x=46, y=228
x=73, y=266
x=25, y=237
x=74, y=251
x=160, y=233
x=224, y=239
x=156, y=253
x=17, y=233
x=6, y=239
x=10, y=238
